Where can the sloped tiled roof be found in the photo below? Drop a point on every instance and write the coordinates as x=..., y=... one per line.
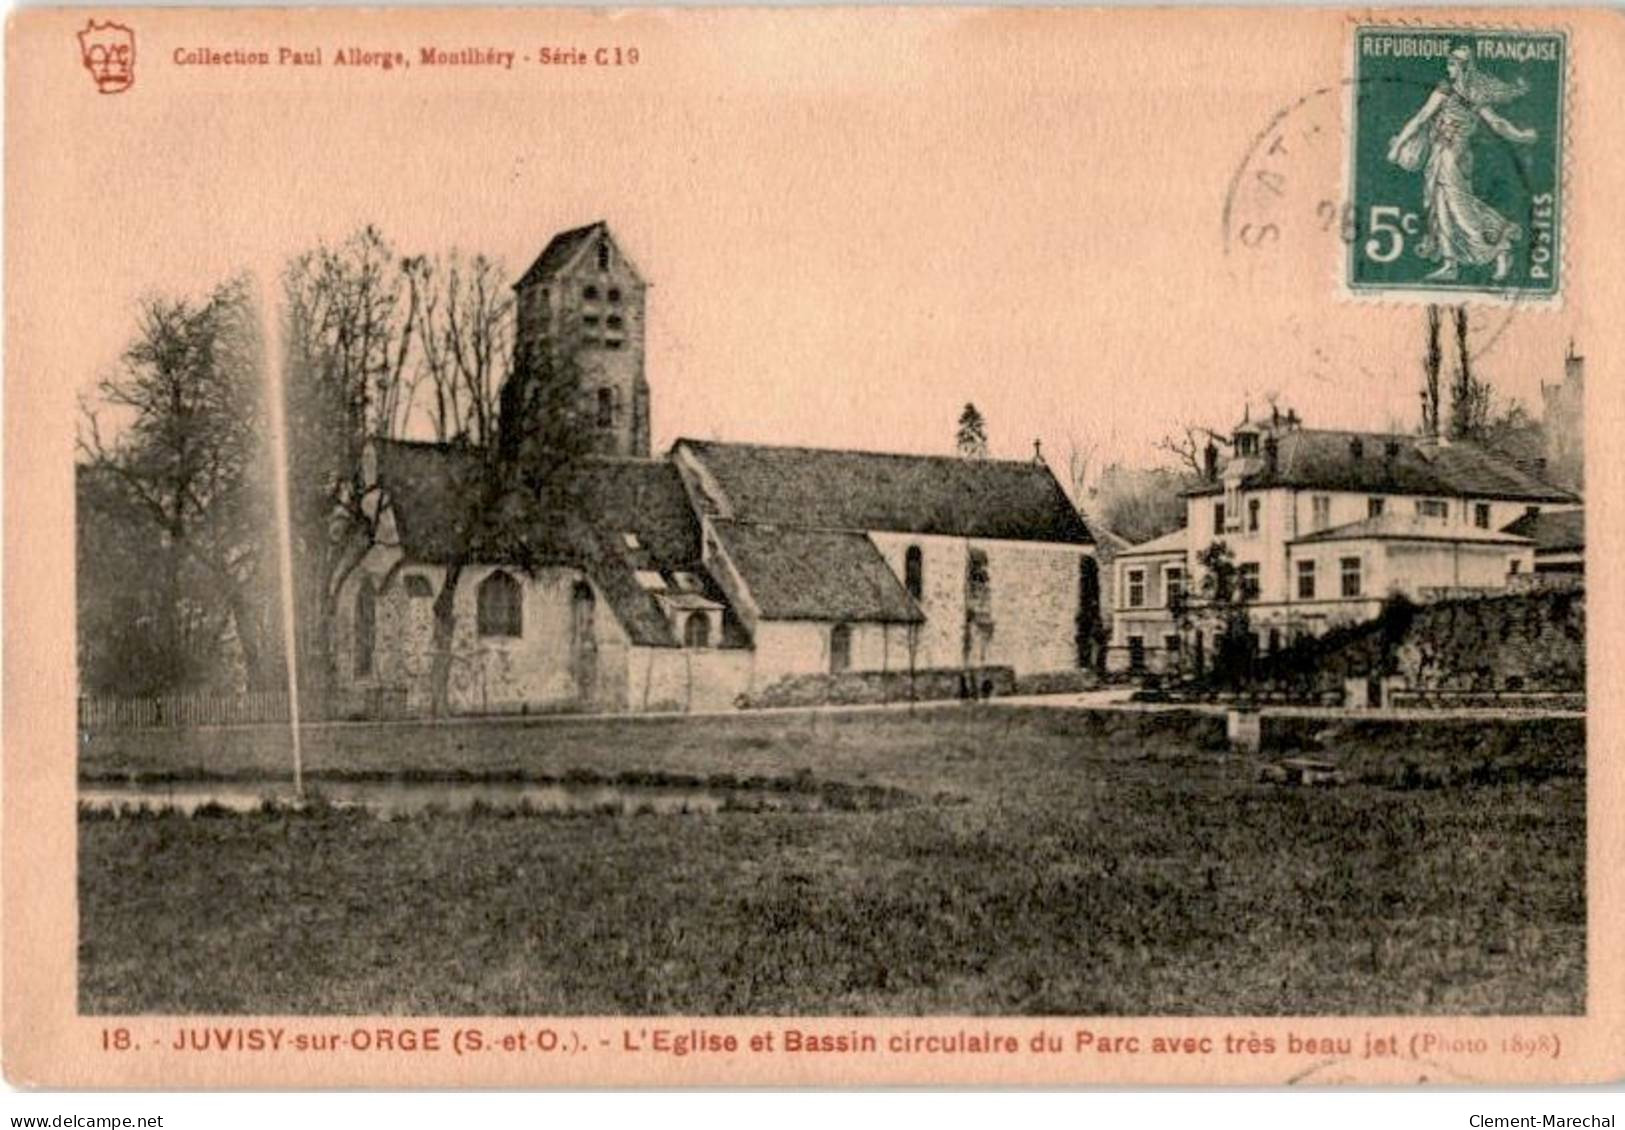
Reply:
x=1409, y=527
x=1325, y=460
x=1174, y=541
x=558, y=251
x=1553, y=531
x=797, y=573
x=860, y=490
x=431, y=490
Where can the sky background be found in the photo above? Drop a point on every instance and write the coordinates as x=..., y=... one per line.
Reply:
x=852, y=224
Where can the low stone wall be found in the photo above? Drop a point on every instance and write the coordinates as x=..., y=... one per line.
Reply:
x=860, y=687
x=1057, y=682
x=1520, y=643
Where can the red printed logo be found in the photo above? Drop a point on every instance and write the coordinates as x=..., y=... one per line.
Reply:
x=108, y=53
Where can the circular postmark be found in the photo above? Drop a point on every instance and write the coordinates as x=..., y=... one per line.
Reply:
x=1289, y=222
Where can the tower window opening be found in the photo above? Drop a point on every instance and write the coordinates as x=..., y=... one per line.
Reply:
x=606, y=408
x=603, y=255
x=614, y=294
x=590, y=294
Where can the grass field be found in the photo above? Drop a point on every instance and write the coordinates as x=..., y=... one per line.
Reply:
x=1047, y=861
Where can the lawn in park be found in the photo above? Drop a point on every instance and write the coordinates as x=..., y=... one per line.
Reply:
x=1012, y=861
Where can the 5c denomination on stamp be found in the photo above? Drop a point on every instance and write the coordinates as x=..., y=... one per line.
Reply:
x=1456, y=161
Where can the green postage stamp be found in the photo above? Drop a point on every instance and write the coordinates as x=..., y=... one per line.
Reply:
x=1456, y=162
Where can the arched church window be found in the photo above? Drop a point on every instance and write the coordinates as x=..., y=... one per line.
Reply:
x=840, y=648
x=366, y=627
x=697, y=630
x=501, y=607
x=914, y=571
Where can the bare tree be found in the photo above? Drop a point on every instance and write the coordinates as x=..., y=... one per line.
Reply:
x=1082, y=470
x=1431, y=423
x=466, y=318
x=1470, y=398
x=349, y=323
x=1189, y=445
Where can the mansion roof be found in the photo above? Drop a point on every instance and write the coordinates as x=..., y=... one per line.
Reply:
x=1553, y=531
x=861, y=490
x=1365, y=462
x=1409, y=527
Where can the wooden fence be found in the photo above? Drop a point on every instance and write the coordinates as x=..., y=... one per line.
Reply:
x=97, y=712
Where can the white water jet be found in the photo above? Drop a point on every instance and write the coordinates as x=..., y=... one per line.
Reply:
x=276, y=416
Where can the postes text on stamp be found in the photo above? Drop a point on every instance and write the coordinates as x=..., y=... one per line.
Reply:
x=1456, y=161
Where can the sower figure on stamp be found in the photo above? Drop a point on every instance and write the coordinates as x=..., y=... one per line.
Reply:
x=1461, y=228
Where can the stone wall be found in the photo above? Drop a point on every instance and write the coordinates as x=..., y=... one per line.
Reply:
x=858, y=687
x=1517, y=642
x=534, y=671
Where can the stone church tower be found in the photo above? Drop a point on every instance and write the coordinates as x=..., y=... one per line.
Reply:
x=579, y=319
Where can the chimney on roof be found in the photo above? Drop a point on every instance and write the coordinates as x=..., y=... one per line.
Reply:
x=1038, y=451
x=1356, y=447
x=1275, y=416
x=1210, y=460
x=1272, y=454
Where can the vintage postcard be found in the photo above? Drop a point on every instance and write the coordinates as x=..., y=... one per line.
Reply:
x=812, y=547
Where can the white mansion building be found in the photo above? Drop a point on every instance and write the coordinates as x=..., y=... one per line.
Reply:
x=1324, y=525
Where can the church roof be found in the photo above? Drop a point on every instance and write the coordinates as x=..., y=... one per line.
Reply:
x=861, y=490
x=1360, y=461
x=432, y=490
x=796, y=573
x=562, y=248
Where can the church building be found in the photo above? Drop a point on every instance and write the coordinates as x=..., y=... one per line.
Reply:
x=700, y=577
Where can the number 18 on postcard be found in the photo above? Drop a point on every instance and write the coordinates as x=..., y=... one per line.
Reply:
x=1457, y=161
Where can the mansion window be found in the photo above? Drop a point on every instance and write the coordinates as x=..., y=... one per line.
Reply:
x=1306, y=580
x=1173, y=579
x=500, y=607
x=1432, y=508
x=1248, y=575
x=1252, y=515
x=1218, y=517
x=840, y=648
x=1320, y=507
x=1170, y=644
x=1136, y=588
x=914, y=571
x=1481, y=515
x=1374, y=507
x=1350, y=568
